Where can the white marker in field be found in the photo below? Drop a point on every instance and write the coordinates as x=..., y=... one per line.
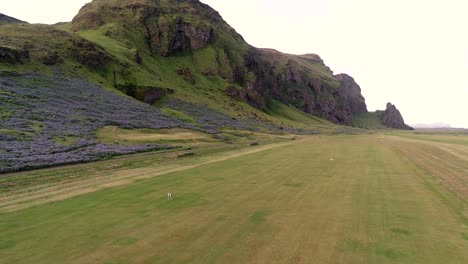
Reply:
x=169, y=196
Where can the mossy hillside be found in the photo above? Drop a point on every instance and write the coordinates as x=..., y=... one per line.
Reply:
x=156, y=71
x=123, y=28
x=179, y=115
x=49, y=48
x=309, y=66
x=115, y=37
x=204, y=64
x=140, y=25
x=291, y=116
x=135, y=22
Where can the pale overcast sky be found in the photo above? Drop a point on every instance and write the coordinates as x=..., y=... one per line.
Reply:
x=413, y=53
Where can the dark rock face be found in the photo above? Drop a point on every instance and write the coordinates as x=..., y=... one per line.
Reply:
x=334, y=98
x=88, y=53
x=392, y=118
x=167, y=37
x=186, y=74
x=167, y=33
x=137, y=57
x=51, y=58
x=150, y=95
x=4, y=19
x=166, y=29
x=352, y=92
x=87, y=18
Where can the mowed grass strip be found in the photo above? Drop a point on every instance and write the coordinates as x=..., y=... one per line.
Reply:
x=341, y=199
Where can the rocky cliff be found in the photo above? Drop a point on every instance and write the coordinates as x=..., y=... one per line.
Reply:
x=303, y=81
x=392, y=118
x=163, y=27
x=352, y=93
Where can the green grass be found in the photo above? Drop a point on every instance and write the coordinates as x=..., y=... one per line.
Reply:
x=36, y=126
x=4, y=113
x=108, y=170
x=65, y=140
x=369, y=120
x=294, y=117
x=116, y=135
x=179, y=115
x=327, y=199
x=14, y=133
x=123, y=52
x=206, y=60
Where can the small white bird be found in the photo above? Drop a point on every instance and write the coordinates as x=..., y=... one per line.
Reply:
x=169, y=196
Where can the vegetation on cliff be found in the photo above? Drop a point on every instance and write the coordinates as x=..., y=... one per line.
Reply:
x=180, y=57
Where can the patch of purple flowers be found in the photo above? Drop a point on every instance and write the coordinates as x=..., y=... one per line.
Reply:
x=42, y=108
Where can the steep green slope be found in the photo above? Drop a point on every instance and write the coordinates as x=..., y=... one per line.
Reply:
x=290, y=114
x=191, y=39
x=42, y=48
x=371, y=120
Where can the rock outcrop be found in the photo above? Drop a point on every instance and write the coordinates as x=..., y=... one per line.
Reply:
x=87, y=53
x=165, y=37
x=335, y=98
x=165, y=29
x=352, y=93
x=392, y=118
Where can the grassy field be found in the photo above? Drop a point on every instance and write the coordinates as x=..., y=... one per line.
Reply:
x=318, y=199
x=110, y=134
x=369, y=120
